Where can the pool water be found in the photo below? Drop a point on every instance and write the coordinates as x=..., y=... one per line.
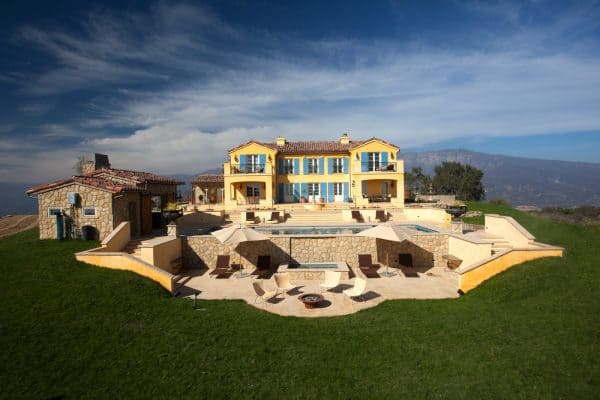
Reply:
x=329, y=230
x=314, y=266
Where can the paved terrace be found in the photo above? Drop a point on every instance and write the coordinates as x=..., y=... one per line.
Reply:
x=408, y=283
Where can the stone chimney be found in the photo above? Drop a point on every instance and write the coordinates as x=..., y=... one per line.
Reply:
x=100, y=161
x=280, y=141
x=344, y=139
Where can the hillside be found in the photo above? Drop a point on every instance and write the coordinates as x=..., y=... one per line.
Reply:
x=522, y=181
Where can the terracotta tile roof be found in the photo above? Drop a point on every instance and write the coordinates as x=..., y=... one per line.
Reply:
x=313, y=147
x=209, y=178
x=112, y=180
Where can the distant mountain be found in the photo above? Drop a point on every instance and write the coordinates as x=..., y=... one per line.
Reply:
x=522, y=181
x=13, y=199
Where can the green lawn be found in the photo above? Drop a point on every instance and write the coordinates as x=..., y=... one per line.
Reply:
x=75, y=330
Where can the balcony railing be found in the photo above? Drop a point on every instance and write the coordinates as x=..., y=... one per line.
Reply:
x=250, y=168
x=378, y=167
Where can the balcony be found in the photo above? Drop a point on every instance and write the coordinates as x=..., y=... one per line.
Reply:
x=378, y=167
x=248, y=169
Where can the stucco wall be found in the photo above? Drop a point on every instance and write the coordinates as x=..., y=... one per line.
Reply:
x=121, y=210
x=118, y=238
x=161, y=252
x=469, y=252
x=509, y=229
x=88, y=197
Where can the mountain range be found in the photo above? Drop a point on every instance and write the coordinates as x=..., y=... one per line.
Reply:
x=520, y=181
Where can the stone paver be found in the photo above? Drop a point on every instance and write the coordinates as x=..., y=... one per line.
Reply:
x=442, y=285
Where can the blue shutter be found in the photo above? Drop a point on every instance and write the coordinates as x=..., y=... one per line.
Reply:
x=305, y=166
x=323, y=190
x=296, y=193
x=280, y=166
x=304, y=190
x=330, y=165
x=262, y=160
x=296, y=166
x=321, y=166
x=345, y=165
x=243, y=163
x=364, y=159
x=280, y=192
x=330, y=192
x=384, y=159
x=346, y=192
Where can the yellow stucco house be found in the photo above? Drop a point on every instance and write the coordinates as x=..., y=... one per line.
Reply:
x=343, y=171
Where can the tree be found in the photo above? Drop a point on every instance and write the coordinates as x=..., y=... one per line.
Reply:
x=416, y=181
x=463, y=180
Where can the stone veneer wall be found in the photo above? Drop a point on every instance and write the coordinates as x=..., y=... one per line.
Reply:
x=427, y=250
x=88, y=197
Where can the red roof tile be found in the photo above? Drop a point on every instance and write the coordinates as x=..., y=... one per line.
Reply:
x=313, y=147
x=209, y=178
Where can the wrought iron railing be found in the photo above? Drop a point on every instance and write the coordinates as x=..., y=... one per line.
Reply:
x=378, y=166
x=249, y=169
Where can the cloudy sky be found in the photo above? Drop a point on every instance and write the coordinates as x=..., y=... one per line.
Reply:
x=169, y=87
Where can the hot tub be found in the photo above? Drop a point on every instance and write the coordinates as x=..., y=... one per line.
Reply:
x=314, y=271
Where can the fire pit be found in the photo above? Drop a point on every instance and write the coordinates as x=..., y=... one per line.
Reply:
x=310, y=300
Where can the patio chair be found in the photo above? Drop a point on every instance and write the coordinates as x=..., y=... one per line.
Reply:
x=358, y=290
x=221, y=270
x=332, y=280
x=366, y=266
x=356, y=215
x=250, y=217
x=283, y=283
x=380, y=215
x=261, y=293
x=274, y=217
x=263, y=265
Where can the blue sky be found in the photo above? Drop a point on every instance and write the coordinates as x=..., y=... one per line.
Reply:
x=170, y=86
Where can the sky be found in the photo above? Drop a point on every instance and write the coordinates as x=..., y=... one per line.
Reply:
x=168, y=87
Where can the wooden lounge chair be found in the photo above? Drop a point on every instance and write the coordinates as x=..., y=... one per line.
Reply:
x=365, y=263
x=358, y=290
x=274, y=217
x=261, y=293
x=356, y=215
x=263, y=266
x=380, y=215
x=332, y=280
x=283, y=283
x=222, y=270
x=250, y=217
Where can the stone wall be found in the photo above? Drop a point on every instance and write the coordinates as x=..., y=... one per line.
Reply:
x=88, y=197
x=427, y=250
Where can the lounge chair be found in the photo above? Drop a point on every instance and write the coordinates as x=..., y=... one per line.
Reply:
x=356, y=215
x=250, y=217
x=358, y=290
x=283, y=283
x=261, y=293
x=221, y=270
x=366, y=266
x=332, y=280
x=380, y=215
x=263, y=266
x=274, y=217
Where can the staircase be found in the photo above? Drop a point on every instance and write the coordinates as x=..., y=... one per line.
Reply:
x=322, y=217
x=134, y=247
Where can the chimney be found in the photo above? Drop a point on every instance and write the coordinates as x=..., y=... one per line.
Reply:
x=344, y=139
x=100, y=161
x=280, y=140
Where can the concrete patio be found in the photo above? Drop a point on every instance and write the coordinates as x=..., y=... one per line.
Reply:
x=419, y=284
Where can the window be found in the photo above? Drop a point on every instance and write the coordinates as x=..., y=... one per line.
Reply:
x=52, y=211
x=313, y=166
x=337, y=166
x=337, y=189
x=288, y=166
x=313, y=189
x=252, y=163
x=373, y=161
x=89, y=211
x=288, y=190
x=252, y=191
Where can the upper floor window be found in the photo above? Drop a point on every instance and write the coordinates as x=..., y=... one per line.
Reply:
x=288, y=166
x=373, y=161
x=253, y=163
x=313, y=166
x=337, y=166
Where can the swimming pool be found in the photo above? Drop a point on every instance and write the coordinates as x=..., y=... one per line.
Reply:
x=313, y=266
x=329, y=230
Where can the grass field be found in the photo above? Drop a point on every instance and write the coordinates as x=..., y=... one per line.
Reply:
x=73, y=330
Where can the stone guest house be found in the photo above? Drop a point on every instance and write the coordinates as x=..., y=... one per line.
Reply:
x=103, y=197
